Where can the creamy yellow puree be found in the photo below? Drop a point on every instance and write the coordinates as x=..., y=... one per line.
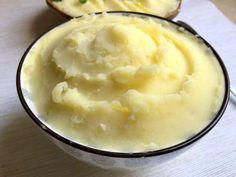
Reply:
x=75, y=8
x=124, y=83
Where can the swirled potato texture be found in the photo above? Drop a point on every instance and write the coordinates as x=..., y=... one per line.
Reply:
x=124, y=84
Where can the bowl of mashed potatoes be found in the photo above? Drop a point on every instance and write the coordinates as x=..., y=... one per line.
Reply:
x=123, y=90
x=74, y=8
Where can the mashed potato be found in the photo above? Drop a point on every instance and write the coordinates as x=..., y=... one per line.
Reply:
x=75, y=8
x=124, y=84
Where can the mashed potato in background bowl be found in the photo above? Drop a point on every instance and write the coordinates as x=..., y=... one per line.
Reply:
x=123, y=85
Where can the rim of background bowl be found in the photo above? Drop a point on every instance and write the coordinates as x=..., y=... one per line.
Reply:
x=167, y=150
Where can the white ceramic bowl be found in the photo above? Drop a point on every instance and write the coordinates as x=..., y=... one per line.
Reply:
x=114, y=160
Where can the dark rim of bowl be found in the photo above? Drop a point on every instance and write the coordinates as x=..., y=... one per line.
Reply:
x=135, y=154
x=56, y=10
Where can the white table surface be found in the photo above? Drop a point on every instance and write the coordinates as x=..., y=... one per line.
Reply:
x=26, y=152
